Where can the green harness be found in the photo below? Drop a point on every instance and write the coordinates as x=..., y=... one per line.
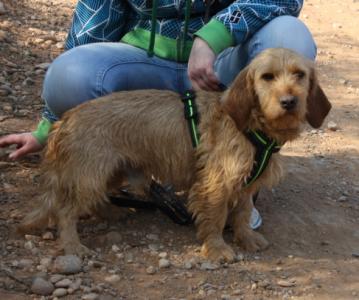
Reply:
x=265, y=146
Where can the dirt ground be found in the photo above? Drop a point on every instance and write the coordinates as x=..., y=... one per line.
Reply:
x=311, y=219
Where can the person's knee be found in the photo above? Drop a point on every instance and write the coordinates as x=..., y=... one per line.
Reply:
x=69, y=81
x=288, y=32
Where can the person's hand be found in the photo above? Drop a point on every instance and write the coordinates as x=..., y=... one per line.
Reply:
x=200, y=67
x=26, y=143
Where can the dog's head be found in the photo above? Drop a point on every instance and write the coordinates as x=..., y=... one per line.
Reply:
x=282, y=87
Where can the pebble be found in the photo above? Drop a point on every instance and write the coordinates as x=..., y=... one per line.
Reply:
x=2, y=9
x=64, y=283
x=208, y=266
x=332, y=126
x=60, y=292
x=355, y=254
x=343, y=199
x=41, y=286
x=115, y=248
x=48, y=236
x=163, y=255
x=91, y=296
x=46, y=261
x=113, y=278
x=152, y=237
x=151, y=270
x=3, y=36
x=68, y=264
x=57, y=277
x=286, y=283
x=43, y=66
x=28, y=245
x=188, y=265
x=164, y=263
x=25, y=263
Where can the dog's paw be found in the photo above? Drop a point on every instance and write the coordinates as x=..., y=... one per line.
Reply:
x=79, y=250
x=252, y=241
x=218, y=252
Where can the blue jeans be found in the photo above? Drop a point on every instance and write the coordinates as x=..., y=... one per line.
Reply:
x=90, y=71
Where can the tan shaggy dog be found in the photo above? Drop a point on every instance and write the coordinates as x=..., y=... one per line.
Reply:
x=139, y=134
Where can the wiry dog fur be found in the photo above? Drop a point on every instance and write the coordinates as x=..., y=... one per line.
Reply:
x=139, y=134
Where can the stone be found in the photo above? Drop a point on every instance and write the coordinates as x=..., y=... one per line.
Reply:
x=3, y=36
x=208, y=266
x=113, y=278
x=332, y=126
x=43, y=66
x=91, y=296
x=48, y=236
x=188, y=265
x=152, y=237
x=163, y=255
x=164, y=263
x=42, y=287
x=64, y=283
x=56, y=277
x=151, y=270
x=2, y=9
x=25, y=263
x=46, y=261
x=286, y=283
x=59, y=292
x=68, y=264
x=28, y=245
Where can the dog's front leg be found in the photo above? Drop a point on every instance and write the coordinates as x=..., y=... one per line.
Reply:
x=210, y=209
x=243, y=234
x=67, y=226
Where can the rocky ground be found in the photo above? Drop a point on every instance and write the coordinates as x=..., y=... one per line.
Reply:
x=311, y=219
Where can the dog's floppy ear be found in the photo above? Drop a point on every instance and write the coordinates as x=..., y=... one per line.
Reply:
x=239, y=99
x=318, y=105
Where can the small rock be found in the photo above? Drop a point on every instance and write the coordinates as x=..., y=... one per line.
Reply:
x=343, y=199
x=113, y=278
x=113, y=237
x=188, y=265
x=152, y=237
x=46, y=261
x=48, y=236
x=286, y=283
x=68, y=264
x=115, y=248
x=2, y=9
x=41, y=286
x=3, y=36
x=43, y=66
x=25, y=263
x=332, y=126
x=208, y=266
x=343, y=81
x=91, y=296
x=64, y=283
x=28, y=245
x=355, y=254
x=163, y=255
x=225, y=297
x=151, y=270
x=57, y=277
x=164, y=263
x=60, y=292
x=28, y=82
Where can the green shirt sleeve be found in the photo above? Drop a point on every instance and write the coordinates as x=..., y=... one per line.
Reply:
x=216, y=35
x=42, y=131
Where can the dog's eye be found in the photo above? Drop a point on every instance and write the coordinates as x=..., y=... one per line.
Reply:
x=268, y=76
x=299, y=74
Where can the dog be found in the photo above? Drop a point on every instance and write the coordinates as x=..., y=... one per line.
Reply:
x=132, y=136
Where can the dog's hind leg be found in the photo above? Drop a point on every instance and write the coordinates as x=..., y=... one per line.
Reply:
x=243, y=234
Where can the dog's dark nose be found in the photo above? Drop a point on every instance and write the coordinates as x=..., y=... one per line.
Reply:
x=288, y=102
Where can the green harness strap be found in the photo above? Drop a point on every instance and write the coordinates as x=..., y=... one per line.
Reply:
x=191, y=115
x=265, y=146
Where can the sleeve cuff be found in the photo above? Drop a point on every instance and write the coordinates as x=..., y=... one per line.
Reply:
x=216, y=35
x=42, y=131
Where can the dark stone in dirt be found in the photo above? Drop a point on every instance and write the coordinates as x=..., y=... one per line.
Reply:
x=41, y=286
x=68, y=264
